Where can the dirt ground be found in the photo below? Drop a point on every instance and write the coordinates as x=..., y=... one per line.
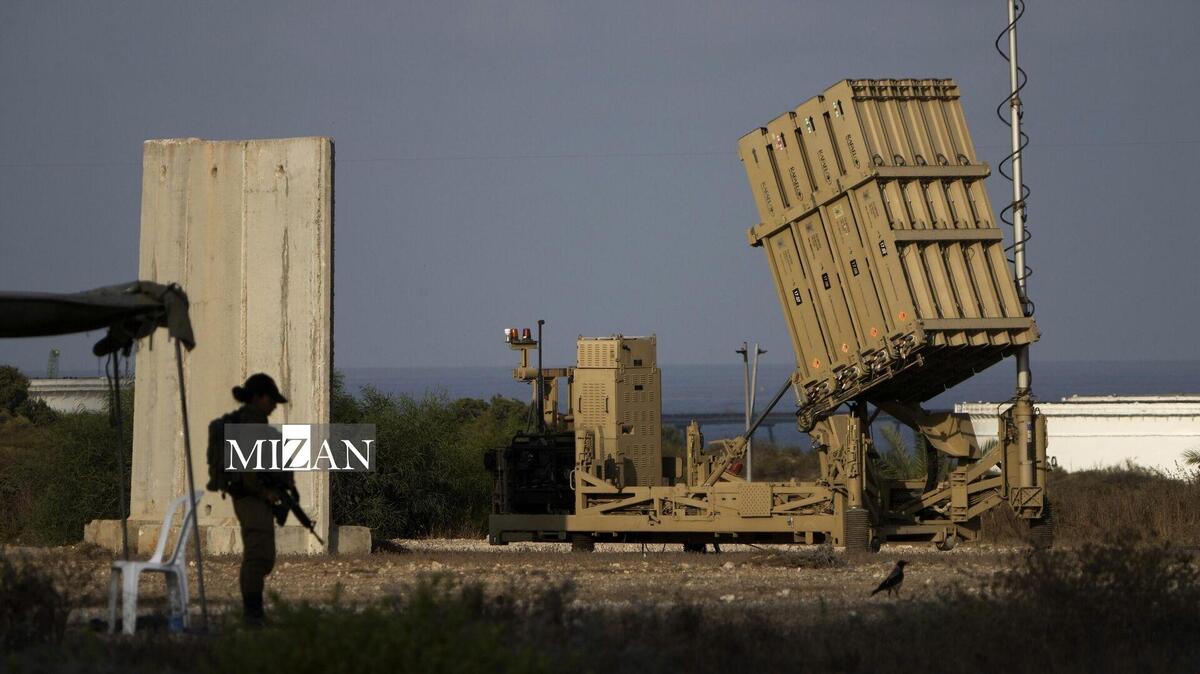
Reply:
x=774, y=577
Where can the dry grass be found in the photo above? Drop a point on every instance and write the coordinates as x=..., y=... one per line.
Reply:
x=1094, y=505
x=1098, y=608
x=814, y=557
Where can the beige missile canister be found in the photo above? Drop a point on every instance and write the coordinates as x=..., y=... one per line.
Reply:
x=882, y=242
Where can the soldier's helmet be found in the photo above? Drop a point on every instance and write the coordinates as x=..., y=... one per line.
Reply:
x=256, y=385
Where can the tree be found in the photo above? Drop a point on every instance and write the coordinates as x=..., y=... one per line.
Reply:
x=15, y=400
x=14, y=388
x=900, y=461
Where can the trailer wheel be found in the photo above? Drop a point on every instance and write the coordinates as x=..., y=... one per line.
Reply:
x=858, y=531
x=1041, y=530
x=582, y=543
x=697, y=548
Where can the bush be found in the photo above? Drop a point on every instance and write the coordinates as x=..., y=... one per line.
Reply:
x=429, y=477
x=438, y=628
x=1121, y=605
x=1113, y=582
x=56, y=477
x=32, y=609
x=54, y=480
x=15, y=400
x=1093, y=505
x=14, y=388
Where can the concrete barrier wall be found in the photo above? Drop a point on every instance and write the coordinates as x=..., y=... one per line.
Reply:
x=246, y=228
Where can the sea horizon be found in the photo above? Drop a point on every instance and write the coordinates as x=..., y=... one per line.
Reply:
x=716, y=388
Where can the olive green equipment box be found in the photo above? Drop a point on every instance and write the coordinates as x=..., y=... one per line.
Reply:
x=894, y=284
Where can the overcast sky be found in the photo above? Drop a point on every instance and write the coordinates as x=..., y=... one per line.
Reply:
x=501, y=162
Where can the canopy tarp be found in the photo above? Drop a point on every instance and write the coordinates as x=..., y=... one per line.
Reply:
x=128, y=311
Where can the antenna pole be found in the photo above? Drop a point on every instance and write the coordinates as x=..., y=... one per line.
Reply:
x=744, y=352
x=1024, y=375
x=1030, y=454
x=541, y=383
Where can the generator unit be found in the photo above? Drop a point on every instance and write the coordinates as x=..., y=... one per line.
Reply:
x=892, y=277
x=618, y=409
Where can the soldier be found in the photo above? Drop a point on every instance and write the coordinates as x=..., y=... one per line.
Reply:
x=256, y=495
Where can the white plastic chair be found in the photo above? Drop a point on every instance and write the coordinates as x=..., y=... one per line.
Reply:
x=173, y=569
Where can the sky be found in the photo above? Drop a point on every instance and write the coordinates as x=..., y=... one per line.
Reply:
x=498, y=162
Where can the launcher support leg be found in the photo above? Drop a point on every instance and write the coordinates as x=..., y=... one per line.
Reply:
x=857, y=436
x=1023, y=435
x=845, y=440
x=1023, y=418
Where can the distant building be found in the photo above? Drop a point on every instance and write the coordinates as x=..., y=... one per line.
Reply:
x=1099, y=431
x=85, y=394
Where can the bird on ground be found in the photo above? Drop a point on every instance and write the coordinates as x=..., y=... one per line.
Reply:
x=894, y=580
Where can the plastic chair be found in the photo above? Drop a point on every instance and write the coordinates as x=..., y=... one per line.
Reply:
x=173, y=569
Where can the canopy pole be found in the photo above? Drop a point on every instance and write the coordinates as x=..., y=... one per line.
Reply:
x=118, y=420
x=187, y=452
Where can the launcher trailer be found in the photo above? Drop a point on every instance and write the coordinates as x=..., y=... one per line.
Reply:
x=892, y=276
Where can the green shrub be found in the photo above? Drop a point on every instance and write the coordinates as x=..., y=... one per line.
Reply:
x=33, y=610
x=343, y=407
x=15, y=400
x=53, y=480
x=429, y=477
x=14, y=388
x=56, y=477
x=61, y=472
x=902, y=460
x=439, y=627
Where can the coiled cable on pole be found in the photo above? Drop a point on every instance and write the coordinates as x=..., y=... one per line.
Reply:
x=1005, y=168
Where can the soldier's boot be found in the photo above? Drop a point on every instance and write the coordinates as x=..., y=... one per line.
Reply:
x=253, y=614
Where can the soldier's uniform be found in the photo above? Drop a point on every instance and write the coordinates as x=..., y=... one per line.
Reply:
x=255, y=498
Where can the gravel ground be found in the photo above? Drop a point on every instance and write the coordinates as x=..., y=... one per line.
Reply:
x=775, y=577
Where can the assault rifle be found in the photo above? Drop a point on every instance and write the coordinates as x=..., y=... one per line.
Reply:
x=289, y=502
